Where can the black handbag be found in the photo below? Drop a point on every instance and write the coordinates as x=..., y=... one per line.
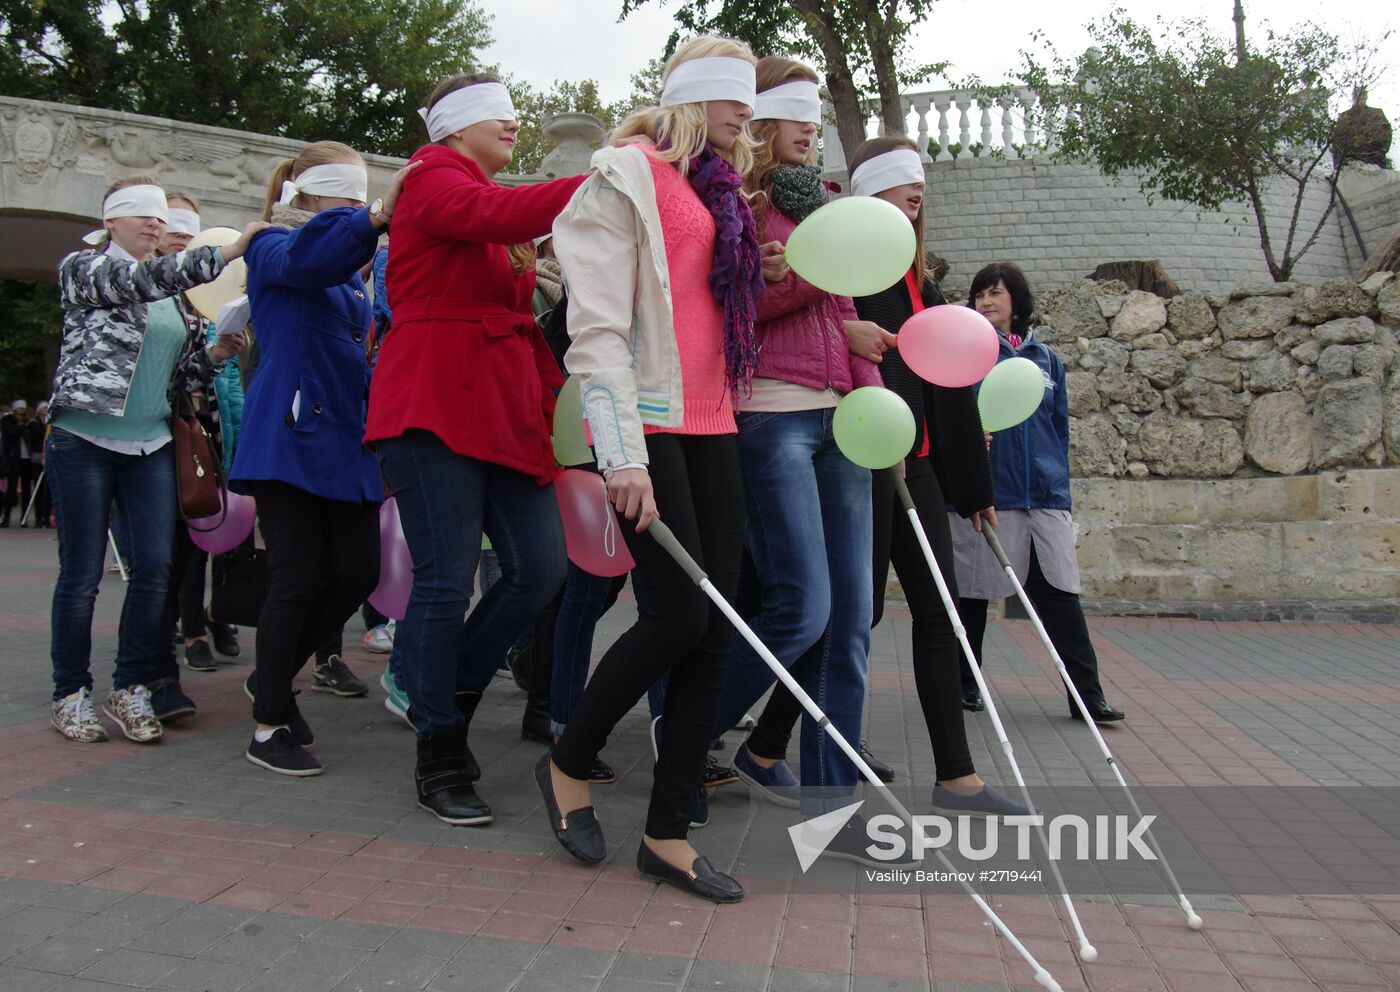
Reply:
x=240, y=586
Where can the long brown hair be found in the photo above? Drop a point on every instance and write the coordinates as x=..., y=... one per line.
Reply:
x=868, y=149
x=771, y=71
x=316, y=153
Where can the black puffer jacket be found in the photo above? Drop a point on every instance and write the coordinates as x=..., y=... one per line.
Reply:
x=956, y=449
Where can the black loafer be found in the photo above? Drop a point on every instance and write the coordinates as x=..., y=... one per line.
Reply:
x=702, y=881
x=579, y=833
x=972, y=702
x=1101, y=712
x=987, y=800
x=882, y=771
x=601, y=773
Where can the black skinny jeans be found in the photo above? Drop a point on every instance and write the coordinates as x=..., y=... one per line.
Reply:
x=323, y=560
x=1063, y=618
x=699, y=492
x=937, y=655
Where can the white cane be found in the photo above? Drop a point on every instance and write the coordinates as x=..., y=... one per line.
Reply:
x=32, y=497
x=1087, y=952
x=668, y=541
x=1192, y=919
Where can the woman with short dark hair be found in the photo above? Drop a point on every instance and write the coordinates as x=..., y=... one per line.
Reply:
x=1030, y=471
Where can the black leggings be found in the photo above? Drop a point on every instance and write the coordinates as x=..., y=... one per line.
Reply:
x=1063, y=618
x=323, y=560
x=699, y=492
x=936, y=652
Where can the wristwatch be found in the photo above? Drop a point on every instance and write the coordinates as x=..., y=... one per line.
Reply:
x=376, y=210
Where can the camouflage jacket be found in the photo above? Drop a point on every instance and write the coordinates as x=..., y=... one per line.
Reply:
x=104, y=300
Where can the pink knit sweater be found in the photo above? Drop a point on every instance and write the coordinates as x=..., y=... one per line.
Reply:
x=689, y=231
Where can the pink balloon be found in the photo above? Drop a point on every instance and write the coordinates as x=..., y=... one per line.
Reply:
x=229, y=534
x=390, y=597
x=592, y=532
x=949, y=345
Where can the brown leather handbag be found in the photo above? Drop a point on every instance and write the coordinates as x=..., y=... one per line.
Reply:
x=199, y=473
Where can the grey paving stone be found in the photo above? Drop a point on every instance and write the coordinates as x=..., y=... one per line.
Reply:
x=329, y=959
x=351, y=933
x=721, y=976
x=239, y=947
x=140, y=969
x=63, y=955
x=44, y=921
x=25, y=980
x=470, y=978
x=394, y=970
x=284, y=980
x=210, y=976
x=532, y=982
x=662, y=969
x=556, y=960
x=801, y=980
x=496, y=952
x=428, y=943
x=611, y=984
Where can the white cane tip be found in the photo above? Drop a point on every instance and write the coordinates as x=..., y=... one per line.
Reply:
x=1088, y=953
x=1048, y=980
x=1194, y=922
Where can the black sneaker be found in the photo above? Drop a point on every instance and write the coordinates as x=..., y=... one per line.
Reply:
x=301, y=730
x=225, y=637
x=281, y=754
x=335, y=676
x=198, y=657
x=168, y=702
x=716, y=774
x=852, y=843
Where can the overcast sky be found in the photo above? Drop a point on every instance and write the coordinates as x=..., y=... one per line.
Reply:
x=545, y=40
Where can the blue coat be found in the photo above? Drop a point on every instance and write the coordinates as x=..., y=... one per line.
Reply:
x=1030, y=462
x=304, y=415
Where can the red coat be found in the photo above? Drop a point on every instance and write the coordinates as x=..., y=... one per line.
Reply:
x=465, y=359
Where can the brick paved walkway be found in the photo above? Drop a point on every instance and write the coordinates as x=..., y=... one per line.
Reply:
x=183, y=867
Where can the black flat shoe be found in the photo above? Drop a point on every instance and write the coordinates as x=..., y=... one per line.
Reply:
x=702, y=881
x=601, y=773
x=535, y=725
x=882, y=771
x=1101, y=713
x=579, y=833
x=972, y=702
x=987, y=800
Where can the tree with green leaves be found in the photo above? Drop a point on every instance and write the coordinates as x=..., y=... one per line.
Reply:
x=350, y=70
x=29, y=334
x=534, y=108
x=862, y=47
x=1204, y=118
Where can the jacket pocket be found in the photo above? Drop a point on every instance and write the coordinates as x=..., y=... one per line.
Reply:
x=308, y=405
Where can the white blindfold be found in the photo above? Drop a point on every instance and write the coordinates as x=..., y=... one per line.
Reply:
x=131, y=201
x=795, y=101
x=182, y=221
x=701, y=80
x=339, y=179
x=467, y=106
x=895, y=168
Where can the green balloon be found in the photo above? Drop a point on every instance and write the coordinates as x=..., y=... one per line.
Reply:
x=570, y=448
x=1011, y=392
x=874, y=427
x=856, y=246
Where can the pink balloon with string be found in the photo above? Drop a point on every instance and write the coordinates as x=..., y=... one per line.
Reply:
x=592, y=536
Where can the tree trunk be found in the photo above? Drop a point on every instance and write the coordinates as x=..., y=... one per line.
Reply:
x=820, y=22
x=880, y=33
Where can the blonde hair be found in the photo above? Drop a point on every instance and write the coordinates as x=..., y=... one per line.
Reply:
x=316, y=153
x=682, y=129
x=868, y=149
x=772, y=70
x=172, y=196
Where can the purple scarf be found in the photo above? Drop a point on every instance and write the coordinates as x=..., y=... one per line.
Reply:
x=736, y=273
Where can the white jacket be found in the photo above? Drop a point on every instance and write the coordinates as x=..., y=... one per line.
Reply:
x=624, y=351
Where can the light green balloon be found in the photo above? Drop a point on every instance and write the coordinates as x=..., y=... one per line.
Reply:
x=1010, y=394
x=856, y=246
x=874, y=427
x=570, y=448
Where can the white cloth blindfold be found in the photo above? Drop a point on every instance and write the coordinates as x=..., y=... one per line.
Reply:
x=339, y=179
x=885, y=171
x=467, y=106
x=132, y=201
x=794, y=101
x=700, y=80
x=182, y=221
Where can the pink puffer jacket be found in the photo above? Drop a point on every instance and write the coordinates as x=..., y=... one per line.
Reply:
x=801, y=337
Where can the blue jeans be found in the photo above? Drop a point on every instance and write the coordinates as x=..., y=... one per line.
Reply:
x=810, y=537
x=85, y=479
x=446, y=500
x=586, y=598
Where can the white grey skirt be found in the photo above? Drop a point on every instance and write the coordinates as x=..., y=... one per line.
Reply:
x=981, y=577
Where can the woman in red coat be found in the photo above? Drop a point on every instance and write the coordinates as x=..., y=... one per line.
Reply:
x=460, y=411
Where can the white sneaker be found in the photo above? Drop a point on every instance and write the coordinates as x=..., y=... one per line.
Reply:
x=380, y=640
x=74, y=718
x=131, y=709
